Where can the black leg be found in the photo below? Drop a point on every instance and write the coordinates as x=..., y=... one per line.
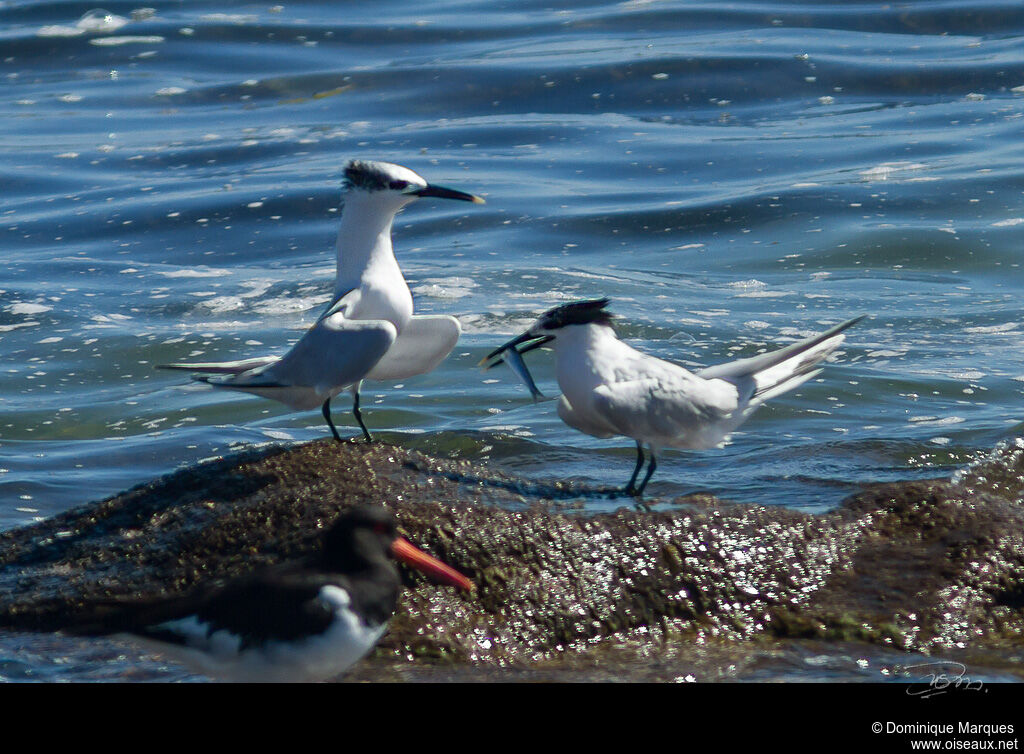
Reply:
x=650, y=471
x=327, y=415
x=631, y=484
x=359, y=416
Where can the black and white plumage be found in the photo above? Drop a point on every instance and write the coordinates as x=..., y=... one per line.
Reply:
x=369, y=331
x=611, y=389
x=308, y=620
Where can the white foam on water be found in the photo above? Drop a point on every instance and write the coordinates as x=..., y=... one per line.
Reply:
x=289, y=304
x=965, y=374
x=221, y=304
x=27, y=308
x=451, y=288
x=230, y=18
x=277, y=434
x=1007, y=327
x=886, y=353
x=888, y=171
x=93, y=22
x=765, y=294
x=194, y=272
x=116, y=41
x=935, y=420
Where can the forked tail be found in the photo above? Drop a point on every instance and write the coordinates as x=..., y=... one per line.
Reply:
x=774, y=373
x=222, y=367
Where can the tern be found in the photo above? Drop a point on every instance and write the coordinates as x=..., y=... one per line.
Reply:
x=308, y=620
x=369, y=331
x=611, y=389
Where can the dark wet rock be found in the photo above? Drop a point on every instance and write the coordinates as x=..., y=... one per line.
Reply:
x=929, y=566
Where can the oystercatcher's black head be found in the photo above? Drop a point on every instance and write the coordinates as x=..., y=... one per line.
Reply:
x=546, y=328
x=358, y=537
x=363, y=537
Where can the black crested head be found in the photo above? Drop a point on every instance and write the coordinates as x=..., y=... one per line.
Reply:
x=368, y=175
x=577, y=313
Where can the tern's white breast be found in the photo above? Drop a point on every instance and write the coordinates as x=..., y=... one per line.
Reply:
x=385, y=295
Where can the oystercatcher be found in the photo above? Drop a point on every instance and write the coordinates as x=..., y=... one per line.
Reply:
x=309, y=620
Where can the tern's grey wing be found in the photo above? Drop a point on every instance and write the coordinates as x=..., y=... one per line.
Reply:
x=424, y=343
x=335, y=353
x=342, y=303
x=687, y=413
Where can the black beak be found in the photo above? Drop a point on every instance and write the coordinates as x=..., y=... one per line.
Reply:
x=526, y=337
x=440, y=192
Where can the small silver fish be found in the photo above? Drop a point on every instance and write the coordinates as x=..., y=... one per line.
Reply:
x=518, y=366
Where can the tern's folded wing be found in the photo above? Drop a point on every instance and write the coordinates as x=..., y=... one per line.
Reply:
x=333, y=354
x=423, y=344
x=692, y=414
x=341, y=304
x=587, y=422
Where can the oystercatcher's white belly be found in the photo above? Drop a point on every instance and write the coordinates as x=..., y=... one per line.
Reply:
x=314, y=658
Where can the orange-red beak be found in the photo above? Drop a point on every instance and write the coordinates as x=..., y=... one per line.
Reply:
x=424, y=563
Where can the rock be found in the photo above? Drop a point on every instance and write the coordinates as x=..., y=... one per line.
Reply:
x=924, y=565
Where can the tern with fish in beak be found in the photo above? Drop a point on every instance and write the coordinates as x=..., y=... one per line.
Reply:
x=611, y=389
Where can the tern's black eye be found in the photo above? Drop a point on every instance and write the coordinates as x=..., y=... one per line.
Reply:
x=398, y=185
